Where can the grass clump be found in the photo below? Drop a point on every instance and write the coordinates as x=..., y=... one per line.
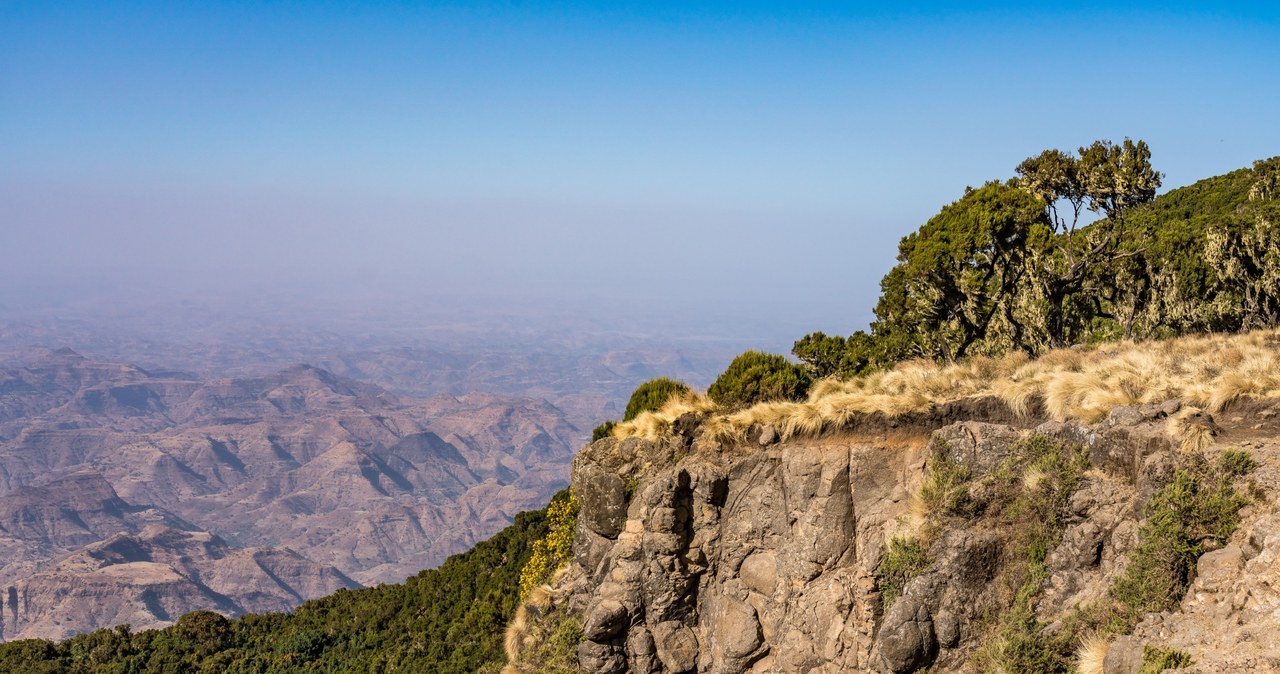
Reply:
x=544, y=643
x=904, y=559
x=945, y=489
x=1156, y=659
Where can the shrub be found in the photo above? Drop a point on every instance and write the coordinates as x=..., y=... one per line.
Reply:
x=1237, y=462
x=758, y=377
x=1156, y=659
x=603, y=430
x=1198, y=508
x=903, y=560
x=553, y=551
x=651, y=395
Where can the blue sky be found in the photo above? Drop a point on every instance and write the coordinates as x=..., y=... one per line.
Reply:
x=764, y=157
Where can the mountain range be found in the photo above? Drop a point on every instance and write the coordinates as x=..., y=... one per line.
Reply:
x=135, y=495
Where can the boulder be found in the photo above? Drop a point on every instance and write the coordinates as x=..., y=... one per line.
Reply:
x=906, y=639
x=603, y=497
x=600, y=658
x=605, y=620
x=676, y=645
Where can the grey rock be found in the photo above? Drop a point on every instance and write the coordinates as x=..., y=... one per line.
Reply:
x=642, y=652
x=977, y=446
x=676, y=645
x=605, y=621
x=759, y=572
x=600, y=658
x=1130, y=415
x=768, y=435
x=947, y=629
x=1220, y=567
x=1123, y=657
x=603, y=499
x=736, y=629
x=906, y=640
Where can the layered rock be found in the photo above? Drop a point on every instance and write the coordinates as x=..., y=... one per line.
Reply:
x=761, y=557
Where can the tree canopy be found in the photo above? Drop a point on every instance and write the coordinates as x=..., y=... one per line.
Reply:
x=1017, y=265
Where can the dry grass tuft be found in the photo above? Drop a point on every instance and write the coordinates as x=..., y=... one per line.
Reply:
x=517, y=637
x=1190, y=429
x=517, y=633
x=1091, y=654
x=652, y=425
x=1083, y=383
x=1033, y=478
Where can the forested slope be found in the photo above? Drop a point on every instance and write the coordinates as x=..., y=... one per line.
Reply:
x=448, y=619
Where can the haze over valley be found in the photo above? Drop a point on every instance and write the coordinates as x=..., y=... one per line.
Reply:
x=181, y=456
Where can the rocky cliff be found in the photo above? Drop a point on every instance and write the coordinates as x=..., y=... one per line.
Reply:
x=965, y=538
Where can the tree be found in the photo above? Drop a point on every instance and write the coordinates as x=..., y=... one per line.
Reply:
x=755, y=377
x=1067, y=258
x=951, y=291
x=651, y=395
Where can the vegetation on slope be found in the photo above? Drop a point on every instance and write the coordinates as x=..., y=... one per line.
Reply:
x=1197, y=511
x=449, y=619
x=1082, y=383
x=755, y=377
x=1011, y=267
x=648, y=397
x=1008, y=274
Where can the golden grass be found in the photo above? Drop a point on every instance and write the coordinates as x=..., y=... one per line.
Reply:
x=1083, y=383
x=652, y=425
x=1091, y=654
x=517, y=637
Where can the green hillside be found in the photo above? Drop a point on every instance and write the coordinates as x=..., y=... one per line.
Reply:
x=445, y=620
x=1073, y=249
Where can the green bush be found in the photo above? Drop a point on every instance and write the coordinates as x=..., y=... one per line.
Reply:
x=1237, y=462
x=651, y=395
x=903, y=559
x=1156, y=659
x=758, y=377
x=1198, y=508
x=603, y=430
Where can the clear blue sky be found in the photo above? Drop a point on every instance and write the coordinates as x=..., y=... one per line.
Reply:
x=738, y=154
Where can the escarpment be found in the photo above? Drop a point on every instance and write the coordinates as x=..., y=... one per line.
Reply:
x=694, y=555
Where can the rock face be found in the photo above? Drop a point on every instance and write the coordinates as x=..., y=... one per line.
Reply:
x=337, y=481
x=760, y=557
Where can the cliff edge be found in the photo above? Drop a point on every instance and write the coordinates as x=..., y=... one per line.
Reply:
x=963, y=538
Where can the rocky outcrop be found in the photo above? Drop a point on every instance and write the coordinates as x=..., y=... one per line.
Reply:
x=762, y=557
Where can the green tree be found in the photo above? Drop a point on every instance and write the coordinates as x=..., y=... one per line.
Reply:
x=951, y=292
x=651, y=395
x=755, y=377
x=1069, y=261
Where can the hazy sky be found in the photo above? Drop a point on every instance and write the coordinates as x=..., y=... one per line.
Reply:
x=735, y=154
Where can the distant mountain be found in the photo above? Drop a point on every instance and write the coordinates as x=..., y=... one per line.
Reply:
x=128, y=494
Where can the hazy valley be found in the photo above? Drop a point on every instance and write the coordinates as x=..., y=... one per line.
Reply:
x=132, y=495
